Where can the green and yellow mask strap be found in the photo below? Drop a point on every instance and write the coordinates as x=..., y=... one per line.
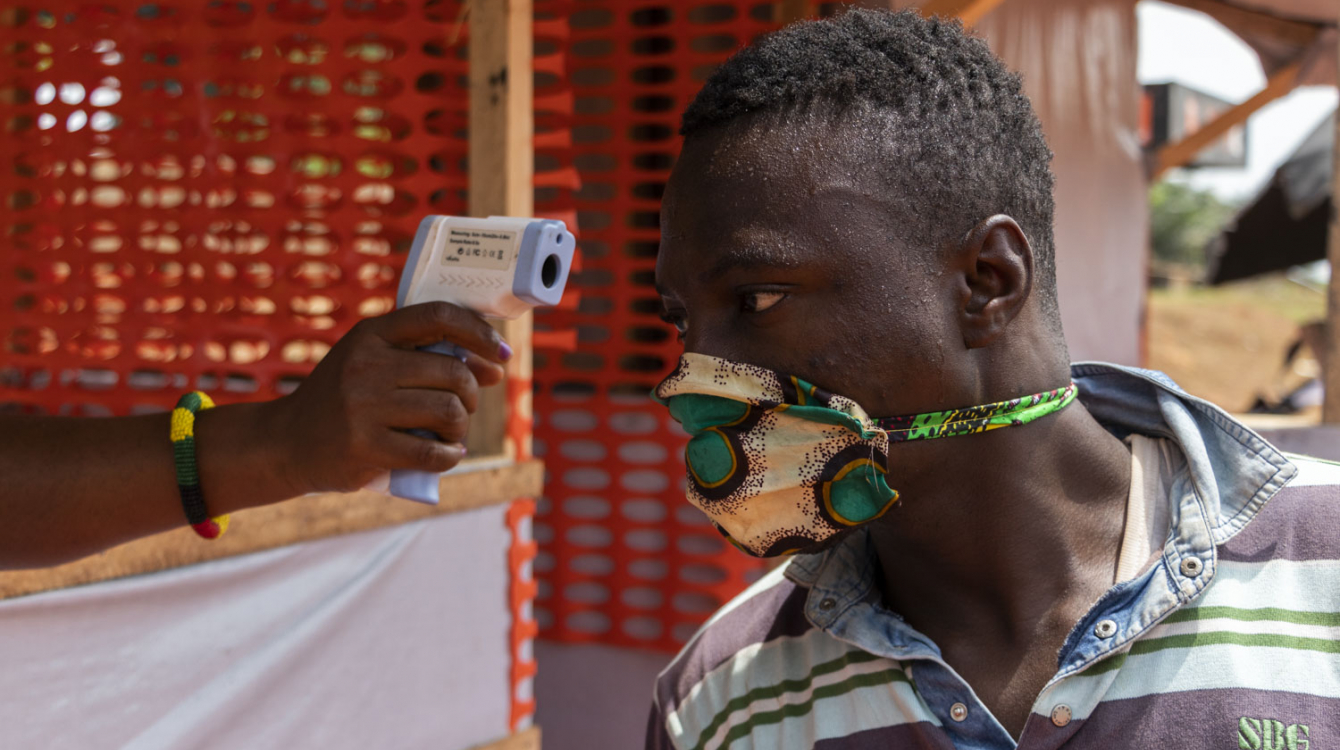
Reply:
x=974, y=419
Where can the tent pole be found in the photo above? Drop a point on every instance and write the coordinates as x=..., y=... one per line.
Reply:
x=502, y=164
x=1297, y=33
x=967, y=11
x=1330, y=409
x=790, y=11
x=501, y=116
x=1183, y=151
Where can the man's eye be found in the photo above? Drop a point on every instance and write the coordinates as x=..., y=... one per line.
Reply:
x=678, y=320
x=760, y=301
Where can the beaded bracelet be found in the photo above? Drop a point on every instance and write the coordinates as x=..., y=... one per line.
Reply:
x=188, y=476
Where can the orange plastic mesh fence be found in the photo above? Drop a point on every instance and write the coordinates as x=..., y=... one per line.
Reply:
x=624, y=559
x=208, y=194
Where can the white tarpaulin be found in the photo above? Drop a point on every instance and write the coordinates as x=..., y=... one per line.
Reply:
x=1078, y=61
x=394, y=638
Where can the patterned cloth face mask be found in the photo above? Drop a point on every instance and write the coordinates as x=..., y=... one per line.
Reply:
x=780, y=465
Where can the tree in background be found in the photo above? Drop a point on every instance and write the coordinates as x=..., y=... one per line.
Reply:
x=1182, y=221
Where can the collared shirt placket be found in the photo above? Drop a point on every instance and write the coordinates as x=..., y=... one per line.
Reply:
x=850, y=613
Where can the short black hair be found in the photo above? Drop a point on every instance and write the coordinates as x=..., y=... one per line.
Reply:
x=966, y=142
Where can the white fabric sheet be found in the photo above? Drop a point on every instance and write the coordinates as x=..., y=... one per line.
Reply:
x=1077, y=58
x=394, y=638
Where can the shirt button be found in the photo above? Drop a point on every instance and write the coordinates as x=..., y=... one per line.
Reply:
x=1061, y=715
x=1105, y=628
x=828, y=604
x=1191, y=566
x=958, y=712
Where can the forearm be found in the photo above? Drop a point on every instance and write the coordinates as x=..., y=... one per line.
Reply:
x=72, y=487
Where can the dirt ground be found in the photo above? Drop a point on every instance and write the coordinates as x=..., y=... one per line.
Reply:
x=1227, y=344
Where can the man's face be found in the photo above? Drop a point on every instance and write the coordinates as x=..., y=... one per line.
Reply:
x=779, y=248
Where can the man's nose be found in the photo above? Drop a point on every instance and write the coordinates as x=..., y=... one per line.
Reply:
x=712, y=341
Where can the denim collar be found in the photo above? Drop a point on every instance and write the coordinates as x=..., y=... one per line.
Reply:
x=1230, y=474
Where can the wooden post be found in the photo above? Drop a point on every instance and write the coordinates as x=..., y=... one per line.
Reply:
x=502, y=182
x=1183, y=151
x=789, y=11
x=526, y=740
x=967, y=11
x=1330, y=408
x=1296, y=33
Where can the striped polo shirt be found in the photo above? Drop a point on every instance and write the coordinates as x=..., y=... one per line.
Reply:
x=1229, y=639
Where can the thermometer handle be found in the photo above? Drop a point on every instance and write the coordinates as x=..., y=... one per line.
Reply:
x=421, y=486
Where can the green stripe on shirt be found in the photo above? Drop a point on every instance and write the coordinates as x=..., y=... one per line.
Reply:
x=785, y=686
x=1192, y=640
x=872, y=679
x=1255, y=615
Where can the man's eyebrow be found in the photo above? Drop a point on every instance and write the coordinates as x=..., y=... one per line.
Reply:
x=750, y=256
x=755, y=254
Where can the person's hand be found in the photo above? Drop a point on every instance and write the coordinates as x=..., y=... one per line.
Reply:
x=346, y=424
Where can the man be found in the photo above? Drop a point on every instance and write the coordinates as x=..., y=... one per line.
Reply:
x=859, y=226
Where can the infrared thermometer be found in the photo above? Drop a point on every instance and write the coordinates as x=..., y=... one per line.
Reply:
x=500, y=267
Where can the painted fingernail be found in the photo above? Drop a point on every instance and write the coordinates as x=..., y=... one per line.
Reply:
x=504, y=351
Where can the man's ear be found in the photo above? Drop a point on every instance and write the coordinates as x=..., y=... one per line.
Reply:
x=996, y=263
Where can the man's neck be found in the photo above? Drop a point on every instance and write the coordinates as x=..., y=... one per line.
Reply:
x=1002, y=544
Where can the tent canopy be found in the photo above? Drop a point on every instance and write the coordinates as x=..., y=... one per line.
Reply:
x=1282, y=32
x=1287, y=223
